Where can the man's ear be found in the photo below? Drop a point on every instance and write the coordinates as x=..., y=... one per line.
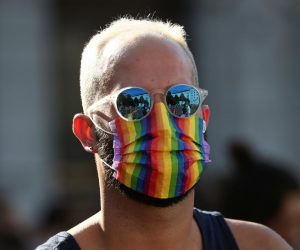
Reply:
x=84, y=130
x=206, y=114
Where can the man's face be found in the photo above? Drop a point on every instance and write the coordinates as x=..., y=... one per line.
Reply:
x=151, y=63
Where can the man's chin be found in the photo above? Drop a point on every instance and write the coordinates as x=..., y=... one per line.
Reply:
x=111, y=182
x=150, y=200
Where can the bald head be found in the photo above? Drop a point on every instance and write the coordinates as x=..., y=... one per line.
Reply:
x=120, y=51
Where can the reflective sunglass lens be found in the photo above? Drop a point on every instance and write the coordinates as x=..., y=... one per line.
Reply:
x=183, y=100
x=133, y=103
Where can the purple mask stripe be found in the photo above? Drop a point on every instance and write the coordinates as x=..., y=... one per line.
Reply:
x=180, y=177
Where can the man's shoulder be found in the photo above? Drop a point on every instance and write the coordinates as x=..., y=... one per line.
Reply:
x=250, y=235
x=88, y=234
x=85, y=234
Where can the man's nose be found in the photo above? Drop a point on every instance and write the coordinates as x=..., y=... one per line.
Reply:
x=158, y=97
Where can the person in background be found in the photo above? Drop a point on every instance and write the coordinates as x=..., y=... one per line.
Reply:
x=148, y=167
x=11, y=232
x=266, y=192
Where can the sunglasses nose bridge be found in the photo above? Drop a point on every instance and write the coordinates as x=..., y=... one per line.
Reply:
x=157, y=95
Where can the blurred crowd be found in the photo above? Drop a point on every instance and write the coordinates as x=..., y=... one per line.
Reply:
x=63, y=214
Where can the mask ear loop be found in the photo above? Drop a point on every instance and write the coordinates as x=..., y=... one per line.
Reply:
x=90, y=113
x=99, y=127
x=204, y=127
x=108, y=165
x=108, y=132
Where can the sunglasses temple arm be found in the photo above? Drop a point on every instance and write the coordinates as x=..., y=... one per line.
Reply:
x=103, y=116
x=204, y=94
x=98, y=103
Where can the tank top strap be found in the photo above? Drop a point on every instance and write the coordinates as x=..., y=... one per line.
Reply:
x=216, y=234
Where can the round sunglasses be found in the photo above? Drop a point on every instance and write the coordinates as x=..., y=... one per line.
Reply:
x=135, y=103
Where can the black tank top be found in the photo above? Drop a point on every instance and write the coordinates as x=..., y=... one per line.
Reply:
x=215, y=232
x=216, y=235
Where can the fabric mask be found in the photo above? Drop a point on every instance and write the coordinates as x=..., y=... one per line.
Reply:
x=161, y=156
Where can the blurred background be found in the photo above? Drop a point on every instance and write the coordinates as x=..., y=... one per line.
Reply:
x=248, y=57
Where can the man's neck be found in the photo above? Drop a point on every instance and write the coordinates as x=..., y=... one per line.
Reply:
x=125, y=222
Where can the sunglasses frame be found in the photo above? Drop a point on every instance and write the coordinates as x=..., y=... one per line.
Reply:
x=113, y=98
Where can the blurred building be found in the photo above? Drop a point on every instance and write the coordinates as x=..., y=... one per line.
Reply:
x=248, y=59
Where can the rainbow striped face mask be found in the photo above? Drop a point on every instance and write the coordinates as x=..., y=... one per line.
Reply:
x=161, y=156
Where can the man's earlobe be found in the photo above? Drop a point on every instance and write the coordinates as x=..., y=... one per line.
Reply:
x=84, y=130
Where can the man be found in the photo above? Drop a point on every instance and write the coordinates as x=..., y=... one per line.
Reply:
x=148, y=165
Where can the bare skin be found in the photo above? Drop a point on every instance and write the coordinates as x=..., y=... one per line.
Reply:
x=151, y=63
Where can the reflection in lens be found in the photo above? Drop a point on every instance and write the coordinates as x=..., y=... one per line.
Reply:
x=183, y=100
x=133, y=103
